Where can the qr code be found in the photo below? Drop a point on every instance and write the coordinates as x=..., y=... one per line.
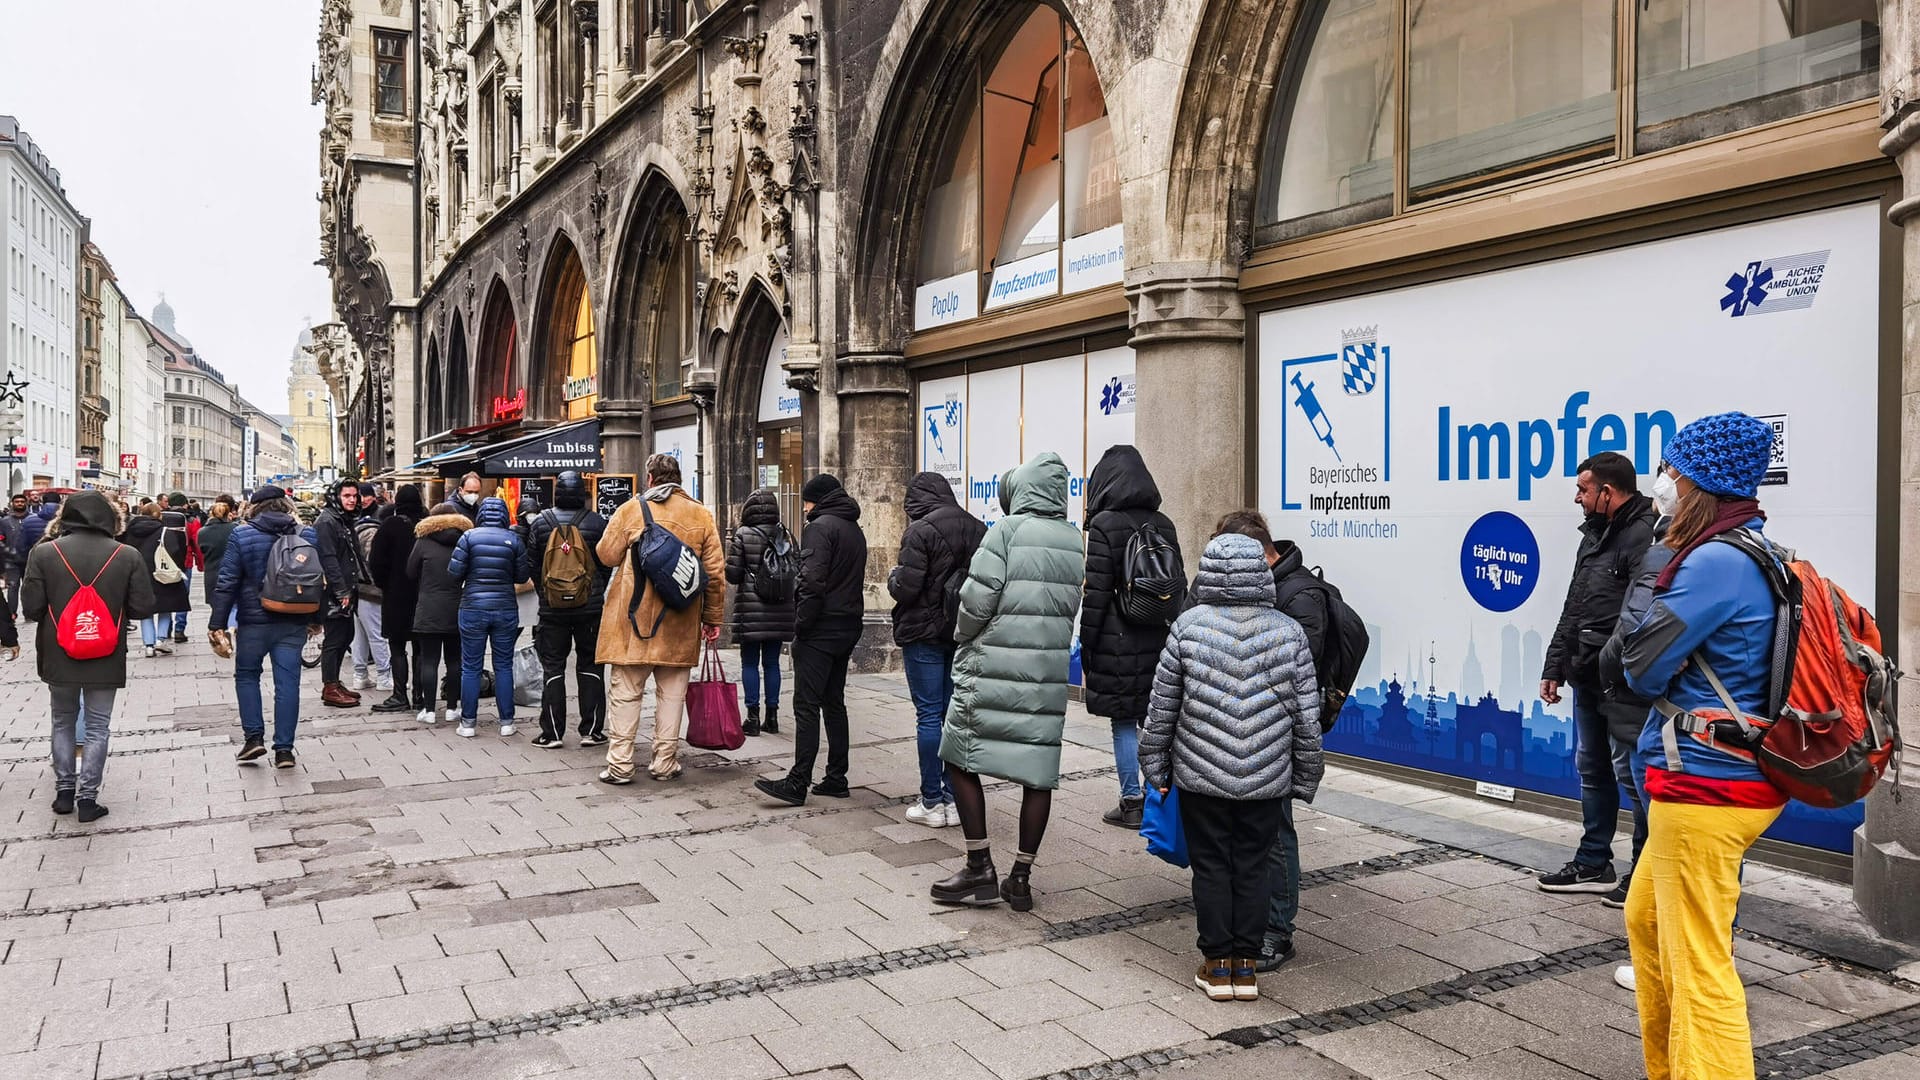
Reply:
x=1779, y=426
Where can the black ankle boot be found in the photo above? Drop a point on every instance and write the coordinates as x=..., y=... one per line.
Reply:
x=1016, y=890
x=976, y=885
x=771, y=725
x=752, y=724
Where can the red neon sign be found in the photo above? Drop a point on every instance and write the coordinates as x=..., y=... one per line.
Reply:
x=510, y=408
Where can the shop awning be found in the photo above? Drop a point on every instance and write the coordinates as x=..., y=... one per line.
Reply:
x=430, y=464
x=573, y=446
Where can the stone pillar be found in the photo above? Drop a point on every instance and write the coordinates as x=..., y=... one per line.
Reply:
x=1886, y=850
x=623, y=438
x=1189, y=343
x=875, y=441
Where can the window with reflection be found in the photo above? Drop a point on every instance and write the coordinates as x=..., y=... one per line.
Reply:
x=573, y=360
x=673, y=317
x=1707, y=67
x=1490, y=91
x=1027, y=194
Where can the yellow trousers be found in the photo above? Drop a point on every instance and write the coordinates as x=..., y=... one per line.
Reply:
x=1680, y=908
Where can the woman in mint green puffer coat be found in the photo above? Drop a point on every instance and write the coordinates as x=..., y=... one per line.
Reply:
x=1010, y=674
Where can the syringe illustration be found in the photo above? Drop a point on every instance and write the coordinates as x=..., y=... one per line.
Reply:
x=933, y=429
x=1316, y=416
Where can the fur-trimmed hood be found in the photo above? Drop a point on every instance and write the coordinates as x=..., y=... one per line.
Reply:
x=459, y=523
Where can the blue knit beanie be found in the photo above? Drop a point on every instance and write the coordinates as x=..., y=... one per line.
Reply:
x=1725, y=455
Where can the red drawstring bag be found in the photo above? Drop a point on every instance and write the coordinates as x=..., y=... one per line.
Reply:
x=87, y=628
x=713, y=707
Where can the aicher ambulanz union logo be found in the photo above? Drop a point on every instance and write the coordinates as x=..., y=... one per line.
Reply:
x=1117, y=396
x=1790, y=283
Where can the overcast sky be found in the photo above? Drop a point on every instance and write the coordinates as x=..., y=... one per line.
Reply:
x=183, y=130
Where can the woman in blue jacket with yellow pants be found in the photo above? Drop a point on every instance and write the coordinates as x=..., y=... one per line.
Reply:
x=1712, y=610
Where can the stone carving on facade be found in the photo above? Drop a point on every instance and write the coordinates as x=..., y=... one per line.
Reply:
x=598, y=202
x=522, y=247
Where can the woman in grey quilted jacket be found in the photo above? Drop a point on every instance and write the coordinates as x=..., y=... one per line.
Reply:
x=1234, y=724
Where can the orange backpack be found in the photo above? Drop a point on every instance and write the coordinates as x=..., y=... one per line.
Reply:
x=1832, y=734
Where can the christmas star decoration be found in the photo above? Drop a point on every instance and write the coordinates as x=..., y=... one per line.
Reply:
x=13, y=391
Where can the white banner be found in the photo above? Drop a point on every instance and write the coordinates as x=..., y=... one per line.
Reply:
x=1421, y=444
x=1032, y=278
x=947, y=301
x=779, y=403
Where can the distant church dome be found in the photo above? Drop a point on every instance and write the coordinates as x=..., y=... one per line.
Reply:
x=163, y=318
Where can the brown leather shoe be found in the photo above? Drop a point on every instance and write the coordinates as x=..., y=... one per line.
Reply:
x=339, y=696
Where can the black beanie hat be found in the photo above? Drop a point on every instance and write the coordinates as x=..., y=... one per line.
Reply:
x=819, y=488
x=267, y=493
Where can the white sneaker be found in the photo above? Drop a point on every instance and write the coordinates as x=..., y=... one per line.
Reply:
x=427, y=716
x=467, y=729
x=506, y=730
x=151, y=652
x=1623, y=977
x=933, y=817
x=165, y=648
x=953, y=815
x=385, y=682
x=360, y=682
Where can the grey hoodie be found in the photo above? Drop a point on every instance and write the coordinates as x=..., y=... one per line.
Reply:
x=1235, y=708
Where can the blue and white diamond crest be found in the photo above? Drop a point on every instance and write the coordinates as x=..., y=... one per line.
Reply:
x=1359, y=368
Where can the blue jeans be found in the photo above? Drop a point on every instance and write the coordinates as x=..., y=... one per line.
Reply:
x=758, y=658
x=1599, y=787
x=1126, y=756
x=180, y=617
x=477, y=627
x=69, y=704
x=153, y=629
x=930, y=684
x=253, y=645
x=1283, y=864
x=1631, y=771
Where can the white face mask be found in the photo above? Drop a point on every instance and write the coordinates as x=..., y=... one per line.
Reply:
x=470, y=497
x=1666, y=494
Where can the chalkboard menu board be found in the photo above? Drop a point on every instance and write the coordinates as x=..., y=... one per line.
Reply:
x=540, y=489
x=611, y=491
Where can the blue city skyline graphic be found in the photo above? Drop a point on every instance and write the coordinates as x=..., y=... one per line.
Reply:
x=1501, y=733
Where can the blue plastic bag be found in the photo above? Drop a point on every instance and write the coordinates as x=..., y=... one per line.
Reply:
x=1161, y=825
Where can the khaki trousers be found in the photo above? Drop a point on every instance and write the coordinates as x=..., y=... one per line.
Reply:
x=625, y=685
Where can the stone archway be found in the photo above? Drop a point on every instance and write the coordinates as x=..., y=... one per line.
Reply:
x=557, y=331
x=657, y=220
x=756, y=328
x=457, y=407
x=497, y=372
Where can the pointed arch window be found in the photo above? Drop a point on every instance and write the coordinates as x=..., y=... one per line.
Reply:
x=573, y=358
x=1026, y=203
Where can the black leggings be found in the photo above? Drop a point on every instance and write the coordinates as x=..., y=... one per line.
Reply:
x=1036, y=805
x=428, y=651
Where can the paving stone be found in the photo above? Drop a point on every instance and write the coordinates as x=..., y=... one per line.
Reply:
x=313, y=992
x=736, y=1059
x=1603, y=1053
x=731, y=1019
x=851, y=997
x=1775, y=1016
x=1035, y=1050
x=525, y=994
x=922, y=985
x=602, y=981
x=119, y=1057
x=1557, y=1007
x=922, y=1026
x=1132, y=1029
x=1018, y=967
x=1843, y=993
x=942, y=1062
x=64, y=1063
x=621, y=1041
x=411, y=1012
x=211, y=1009
x=1513, y=1064
x=1381, y=1050
x=824, y=1044
x=1396, y=969
x=448, y=971
x=1471, y=1028
x=1030, y=1003
x=291, y=1031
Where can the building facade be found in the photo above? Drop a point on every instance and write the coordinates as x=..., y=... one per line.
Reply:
x=204, y=424
x=367, y=79
x=142, y=417
x=309, y=408
x=1388, y=271
x=40, y=234
x=98, y=346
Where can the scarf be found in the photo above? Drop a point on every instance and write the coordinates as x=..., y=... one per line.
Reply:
x=1734, y=514
x=662, y=492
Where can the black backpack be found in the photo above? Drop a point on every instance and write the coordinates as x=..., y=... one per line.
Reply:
x=777, y=578
x=1346, y=640
x=1152, y=583
x=662, y=561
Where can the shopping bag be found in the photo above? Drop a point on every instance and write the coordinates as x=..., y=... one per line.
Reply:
x=713, y=707
x=529, y=679
x=1160, y=823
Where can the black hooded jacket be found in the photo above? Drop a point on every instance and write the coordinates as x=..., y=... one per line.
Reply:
x=569, y=508
x=1609, y=558
x=339, y=554
x=1118, y=657
x=939, y=543
x=437, y=609
x=387, y=563
x=86, y=540
x=833, y=566
x=755, y=619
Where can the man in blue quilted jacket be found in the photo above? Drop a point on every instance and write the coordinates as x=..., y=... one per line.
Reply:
x=491, y=559
x=262, y=636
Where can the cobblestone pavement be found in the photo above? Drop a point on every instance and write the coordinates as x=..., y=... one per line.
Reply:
x=411, y=904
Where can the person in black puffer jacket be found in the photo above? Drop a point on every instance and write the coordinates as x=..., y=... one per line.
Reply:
x=436, y=611
x=491, y=558
x=220, y=524
x=399, y=595
x=827, y=614
x=576, y=627
x=340, y=558
x=760, y=627
x=1117, y=657
x=935, y=552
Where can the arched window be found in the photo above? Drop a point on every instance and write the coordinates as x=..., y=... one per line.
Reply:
x=572, y=357
x=1027, y=198
x=673, y=326
x=433, y=407
x=1487, y=91
x=459, y=400
x=501, y=395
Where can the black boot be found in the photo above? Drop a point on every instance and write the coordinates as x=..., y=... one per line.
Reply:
x=88, y=810
x=1016, y=890
x=1127, y=814
x=976, y=885
x=771, y=725
x=63, y=802
x=752, y=725
x=786, y=790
